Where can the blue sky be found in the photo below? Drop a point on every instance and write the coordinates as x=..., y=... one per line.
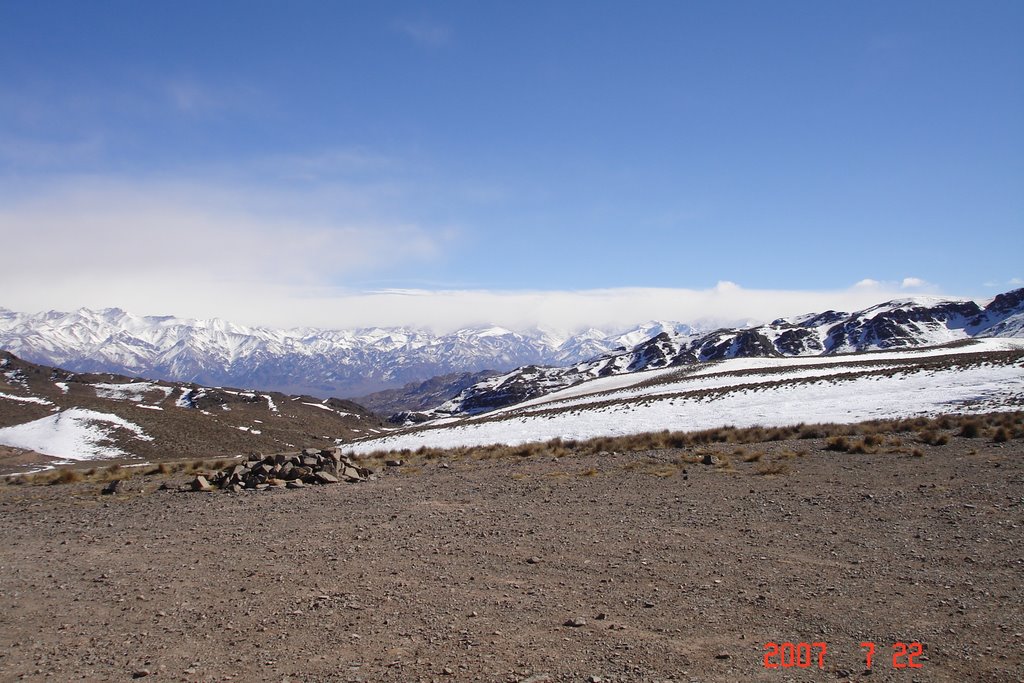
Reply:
x=361, y=163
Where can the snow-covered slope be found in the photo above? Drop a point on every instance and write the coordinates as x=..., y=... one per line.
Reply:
x=965, y=377
x=314, y=361
x=904, y=323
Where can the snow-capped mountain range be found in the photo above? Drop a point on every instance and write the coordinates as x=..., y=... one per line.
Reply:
x=342, y=363
x=897, y=324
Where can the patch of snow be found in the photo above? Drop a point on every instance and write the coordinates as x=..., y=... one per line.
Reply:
x=142, y=405
x=183, y=401
x=63, y=386
x=839, y=397
x=329, y=409
x=16, y=377
x=26, y=399
x=243, y=394
x=133, y=391
x=270, y=404
x=76, y=434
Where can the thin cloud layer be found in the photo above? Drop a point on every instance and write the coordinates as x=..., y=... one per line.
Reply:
x=105, y=234
x=425, y=33
x=282, y=257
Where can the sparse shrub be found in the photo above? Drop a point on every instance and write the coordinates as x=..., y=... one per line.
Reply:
x=768, y=468
x=861, y=447
x=917, y=453
x=677, y=440
x=933, y=438
x=1001, y=435
x=838, y=443
x=67, y=476
x=811, y=433
x=752, y=457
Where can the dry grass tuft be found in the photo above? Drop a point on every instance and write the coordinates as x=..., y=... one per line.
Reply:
x=67, y=476
x=933, y=438
x=970, y=429
x=772, y=468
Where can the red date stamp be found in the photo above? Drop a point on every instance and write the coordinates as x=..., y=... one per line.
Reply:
x=802, y=655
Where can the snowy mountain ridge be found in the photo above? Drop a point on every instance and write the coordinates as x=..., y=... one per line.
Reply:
x=898, y=324
x=301, y=360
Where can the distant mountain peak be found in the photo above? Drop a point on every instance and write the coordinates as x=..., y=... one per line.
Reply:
x=300, y=360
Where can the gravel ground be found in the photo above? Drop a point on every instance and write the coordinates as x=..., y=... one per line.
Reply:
x=470, y=570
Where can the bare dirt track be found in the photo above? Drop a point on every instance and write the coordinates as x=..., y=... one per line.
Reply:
x=469, y=570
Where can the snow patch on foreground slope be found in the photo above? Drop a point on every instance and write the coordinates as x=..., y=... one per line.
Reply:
x=75, y=434
x=841, y=398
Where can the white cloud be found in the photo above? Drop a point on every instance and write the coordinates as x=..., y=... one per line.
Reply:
x=561, y=310
x=195, y=97
x=425, y=33
x=167, y=246
x=1015, y=282
x=913, y=283
x=267, y=301
x=274, y=257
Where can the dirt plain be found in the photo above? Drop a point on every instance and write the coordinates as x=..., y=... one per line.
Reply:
x=472, y=569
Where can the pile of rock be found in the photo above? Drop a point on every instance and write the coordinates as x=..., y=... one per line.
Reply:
x=286, y=470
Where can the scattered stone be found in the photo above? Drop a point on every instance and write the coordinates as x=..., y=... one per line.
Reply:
x=200, y=483
x=575, y=622
x=710, y=459
x=326, y=478
x=537, y=678
x=296, y=484
x=141, y=673
x=533, y=560
x=393, y=463
x=723, y=655
x=113, y=487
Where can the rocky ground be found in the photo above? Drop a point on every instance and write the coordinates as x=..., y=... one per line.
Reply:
x=636, y=566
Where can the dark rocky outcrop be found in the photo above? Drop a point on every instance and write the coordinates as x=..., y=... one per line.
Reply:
x=287, y=470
